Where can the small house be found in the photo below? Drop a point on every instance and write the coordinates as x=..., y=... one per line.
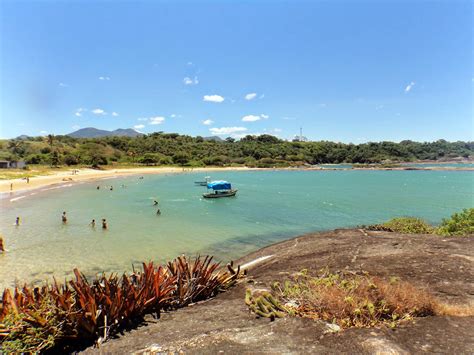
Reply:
x=5, y=164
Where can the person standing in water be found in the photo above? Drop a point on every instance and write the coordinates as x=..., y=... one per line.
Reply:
x=104, y=223
x=158, y=212
x=17, y=221
x=64, y=218
x=92, y=224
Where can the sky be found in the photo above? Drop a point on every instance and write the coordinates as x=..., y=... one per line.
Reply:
x=346, y=71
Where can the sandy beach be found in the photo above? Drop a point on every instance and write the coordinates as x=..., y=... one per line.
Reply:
x=84, y=174
x=61, y=177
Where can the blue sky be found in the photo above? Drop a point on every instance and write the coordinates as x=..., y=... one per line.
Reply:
x=349, y=71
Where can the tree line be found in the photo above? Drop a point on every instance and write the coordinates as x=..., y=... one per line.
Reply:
x=253, y=151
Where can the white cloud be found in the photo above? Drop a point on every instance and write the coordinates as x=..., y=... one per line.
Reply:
x=79, y=111
x=43, y=132
x=157, y=120
x=277, y=130
x=207, y=122
x=251, y=96
x=75, y=127
x=286, y=118
x=222, y=131
x=139, y=126
x=213, y=98
x=143, y=119
x=253, y=118
x=104, y=78
x=409, y=86
x=98, y=111
x=115, y=114
x=173, y=115
x=191, y=81
x=63, y=85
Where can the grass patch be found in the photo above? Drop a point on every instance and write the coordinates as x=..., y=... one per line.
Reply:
x=459, y=224
x=345, y=299
x=407, y=225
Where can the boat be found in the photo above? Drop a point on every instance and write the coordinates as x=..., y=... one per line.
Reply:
x=202, y=183
x=219, y=189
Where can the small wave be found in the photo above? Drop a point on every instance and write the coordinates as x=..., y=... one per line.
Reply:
x=17, y=198
x=57, y=187
x=179, y=200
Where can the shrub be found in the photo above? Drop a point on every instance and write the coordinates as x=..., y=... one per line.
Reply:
x=33, y=319
x=461, y=223
x=408, y=225
x=354, y=300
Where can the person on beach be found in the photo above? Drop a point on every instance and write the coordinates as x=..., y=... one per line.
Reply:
x=17, y=222
x=11, y=186
x=27, y=180
x=92, y=224
x=158, y=212
x=104, y=223
x=2, y=248
x=64, y=218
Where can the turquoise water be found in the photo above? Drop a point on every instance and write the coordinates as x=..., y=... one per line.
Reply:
x=415, y=165
x=440, y=165
x=270, y=206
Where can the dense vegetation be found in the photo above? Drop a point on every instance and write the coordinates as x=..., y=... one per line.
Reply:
x=254, y=151
x=459, y=224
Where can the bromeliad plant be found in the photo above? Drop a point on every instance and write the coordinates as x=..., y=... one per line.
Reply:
x=37, y=318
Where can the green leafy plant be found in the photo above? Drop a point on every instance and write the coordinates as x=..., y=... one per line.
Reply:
x=461, y=223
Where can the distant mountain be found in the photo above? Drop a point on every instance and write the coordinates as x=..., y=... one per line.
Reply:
x=23, y=137
x=91, y=132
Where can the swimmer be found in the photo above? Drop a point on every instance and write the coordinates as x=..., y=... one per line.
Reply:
x=155, y=203
x=17, y=222
x=104, y=223
x=111, y=188
x=92, y=224
x=64, y=218
x=98, y=187
x=158, y=212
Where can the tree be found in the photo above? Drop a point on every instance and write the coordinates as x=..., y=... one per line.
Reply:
x=50, y=140
x=55, y=159
x=181, y=158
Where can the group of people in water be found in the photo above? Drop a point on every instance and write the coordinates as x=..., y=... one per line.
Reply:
x=92, y=224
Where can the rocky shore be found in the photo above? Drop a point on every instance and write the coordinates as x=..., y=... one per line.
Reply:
x=443, y=266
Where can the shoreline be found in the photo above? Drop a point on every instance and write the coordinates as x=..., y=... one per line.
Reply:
x=58, y=178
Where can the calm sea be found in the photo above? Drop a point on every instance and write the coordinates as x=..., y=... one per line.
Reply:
x=270, y=206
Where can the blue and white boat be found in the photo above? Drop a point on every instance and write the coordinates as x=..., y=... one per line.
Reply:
x=219, y=189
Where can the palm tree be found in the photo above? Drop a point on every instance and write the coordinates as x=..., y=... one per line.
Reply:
x=50, y=139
